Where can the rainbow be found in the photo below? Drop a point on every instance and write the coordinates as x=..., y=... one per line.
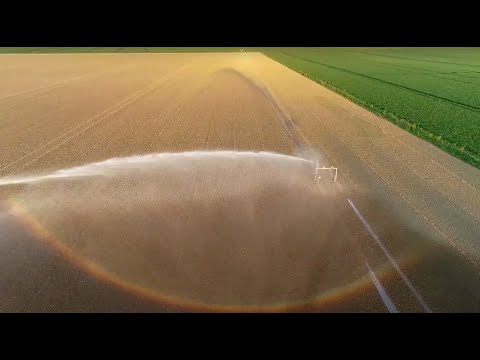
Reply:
x=324, y=300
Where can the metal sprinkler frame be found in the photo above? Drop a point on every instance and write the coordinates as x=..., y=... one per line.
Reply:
x=331, y=169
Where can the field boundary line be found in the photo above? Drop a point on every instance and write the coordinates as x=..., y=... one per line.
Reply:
x=417, y=151
x=408, y=202
x=466, y=156
x=416, y=173
x=434, y=162
x=427, y=181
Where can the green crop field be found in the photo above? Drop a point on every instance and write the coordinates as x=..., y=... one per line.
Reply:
x=432, y=92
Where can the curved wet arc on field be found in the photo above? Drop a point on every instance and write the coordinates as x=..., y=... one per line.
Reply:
x=19, y=207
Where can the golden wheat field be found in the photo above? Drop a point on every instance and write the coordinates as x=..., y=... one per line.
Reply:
x=186, y=182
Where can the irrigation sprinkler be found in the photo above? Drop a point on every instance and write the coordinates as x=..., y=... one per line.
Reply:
x=321, y=169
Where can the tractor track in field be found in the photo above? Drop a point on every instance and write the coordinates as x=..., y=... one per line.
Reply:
x=72, y=133
x=60, y=84
x=413, y=59
x=436, y=97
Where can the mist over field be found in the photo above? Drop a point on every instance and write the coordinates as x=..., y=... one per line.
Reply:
x=220, y=228
x=135, y=181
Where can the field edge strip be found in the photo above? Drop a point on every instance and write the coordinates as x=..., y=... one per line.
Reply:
x=457, y=151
